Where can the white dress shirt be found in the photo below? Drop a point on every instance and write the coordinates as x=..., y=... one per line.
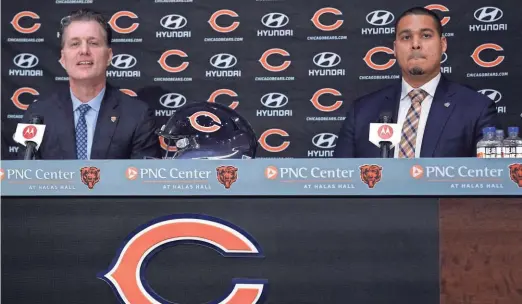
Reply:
x=405, y=104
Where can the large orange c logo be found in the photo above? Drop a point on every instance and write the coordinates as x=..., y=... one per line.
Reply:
x=442, y=8
x=487, y=64
x=321, y=26
x=121, y=30
x=16, y=97
x=228, y=92
x=269, y=148
x=125, y=273
x=264, y=60
x=379, y=67
x=321, y=92
x=216, y=122
x=223, y=29
x=25, y=30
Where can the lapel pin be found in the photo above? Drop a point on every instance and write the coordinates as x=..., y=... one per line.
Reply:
x=113, y=118
x=447, y=104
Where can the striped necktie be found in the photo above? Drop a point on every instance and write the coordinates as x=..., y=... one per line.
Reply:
x=409, y=128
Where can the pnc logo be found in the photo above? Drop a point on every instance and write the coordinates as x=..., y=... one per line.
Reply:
x=228, y=92
x=442, y=8
x=273, y=149
x=271, y=172
x=379, y=67
x=129, y=92
x=2, y=174
x=16, y=97
x=163, y=61
x=264, y=60
x=131, y=173
x=125, y=273
x=215, y=122
x=487, y=64
x=323, y=108
x=385, y=132
x=223, y=29
x=417, y=172
x=327, y=10
x=25, y=30
x=123, y=30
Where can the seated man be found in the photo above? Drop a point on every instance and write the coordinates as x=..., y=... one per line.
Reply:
x=91, y=119
x=438, y=118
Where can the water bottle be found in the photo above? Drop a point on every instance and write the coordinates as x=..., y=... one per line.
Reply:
x=499, y=143
x=486, y=146
x=513, y=144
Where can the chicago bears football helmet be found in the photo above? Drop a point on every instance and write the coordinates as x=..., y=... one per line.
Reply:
x=204, y=130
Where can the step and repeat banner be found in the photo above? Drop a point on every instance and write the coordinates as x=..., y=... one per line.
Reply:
x=291, y=68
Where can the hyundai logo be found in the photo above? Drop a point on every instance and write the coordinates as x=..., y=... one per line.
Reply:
x=274, y=100
x=275, y=20
x=492, y=94
x=379, y=18
x=173, y=22
x=488, y=14
x=123, y=61
x=173, y=100
x=223, y=61
x=444, y=58
x=327, y=59
x=25, y=60
x=324, y=140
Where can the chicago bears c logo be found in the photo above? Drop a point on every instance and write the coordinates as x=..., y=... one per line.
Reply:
x=215, y=124
x=126, y=274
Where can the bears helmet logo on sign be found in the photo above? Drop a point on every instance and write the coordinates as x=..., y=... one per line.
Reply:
x=226, y=175
x=515, y=173
x=90, y=176
x=371, y=174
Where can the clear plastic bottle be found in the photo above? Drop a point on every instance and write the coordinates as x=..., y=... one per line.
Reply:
x=513, y=144
x=499, y=143
x=486, y=146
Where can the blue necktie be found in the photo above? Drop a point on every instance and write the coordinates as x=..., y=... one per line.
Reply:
x=81, y=132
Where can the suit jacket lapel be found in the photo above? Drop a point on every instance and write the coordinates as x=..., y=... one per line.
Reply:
x=106, y=124
x=441, y=109
x=66, y=129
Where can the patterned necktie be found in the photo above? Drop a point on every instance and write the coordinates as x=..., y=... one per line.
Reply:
x=81, y=132
x=409, y=128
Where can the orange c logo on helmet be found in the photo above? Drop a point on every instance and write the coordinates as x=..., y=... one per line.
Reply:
x=166, y=147
x=25, y=30
x=221, y=29
x=16, y=97
x=379, y=67
x=267, y=147
x=439, y=7
x=487, y=64
x=163, y=61
x=271, y=68
x=319, y=106
x=330, y=10
x=216, y=125
x=129, y=92
x=118, y=15
x=228, y=92
x=125, y=275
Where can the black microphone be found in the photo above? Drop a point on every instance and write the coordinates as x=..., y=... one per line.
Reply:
x=385, y=117
x=30, y=150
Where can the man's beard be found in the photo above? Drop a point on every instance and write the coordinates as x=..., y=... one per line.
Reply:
x=415, y=71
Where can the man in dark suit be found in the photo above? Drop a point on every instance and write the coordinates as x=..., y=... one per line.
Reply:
x=438, y=118
x=91, y=119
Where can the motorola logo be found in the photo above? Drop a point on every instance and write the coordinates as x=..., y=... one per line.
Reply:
x=173, y=100
x=123, y=61
x=274, y=100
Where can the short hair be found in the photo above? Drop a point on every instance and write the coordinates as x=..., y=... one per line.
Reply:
x=421, y=11
x=86, y=15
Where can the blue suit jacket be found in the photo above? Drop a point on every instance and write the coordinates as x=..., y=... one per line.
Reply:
x=130, y=136
x=451, y=131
